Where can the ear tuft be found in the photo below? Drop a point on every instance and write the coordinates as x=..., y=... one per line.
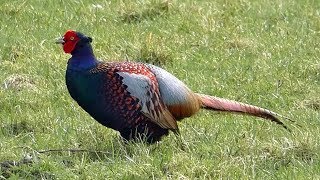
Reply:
x=89, y=39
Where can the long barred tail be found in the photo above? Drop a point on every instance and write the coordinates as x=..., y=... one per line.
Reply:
x=220, y=104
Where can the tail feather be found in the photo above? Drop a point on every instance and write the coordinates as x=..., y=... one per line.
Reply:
x=220, y=104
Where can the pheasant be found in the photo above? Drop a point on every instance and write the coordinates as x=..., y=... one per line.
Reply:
x=137, y=99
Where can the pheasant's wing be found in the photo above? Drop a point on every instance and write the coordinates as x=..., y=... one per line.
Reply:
x=141, y=83
x=179, y=99
x=147, y=91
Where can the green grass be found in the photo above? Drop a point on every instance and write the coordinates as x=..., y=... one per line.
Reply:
x=260, y=52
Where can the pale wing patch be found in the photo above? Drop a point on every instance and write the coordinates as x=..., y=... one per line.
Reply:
x=173, y=91
x=180, y=100
x=141, y=87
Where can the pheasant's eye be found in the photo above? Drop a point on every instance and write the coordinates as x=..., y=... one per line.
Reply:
x=71, y=38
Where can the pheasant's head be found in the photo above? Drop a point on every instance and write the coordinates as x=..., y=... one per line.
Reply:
x=73, y=40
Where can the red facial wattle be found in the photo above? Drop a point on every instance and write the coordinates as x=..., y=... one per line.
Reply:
x=70, y=40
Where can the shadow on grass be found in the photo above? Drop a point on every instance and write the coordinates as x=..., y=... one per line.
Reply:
x=17, y=128
x=312, y=104
x=18, y=168
x=19, y=82
x=155, y=57
x=150, y=13
x=12, y=8
x=302, y=153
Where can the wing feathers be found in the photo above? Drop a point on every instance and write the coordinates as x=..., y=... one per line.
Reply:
x=146, y=90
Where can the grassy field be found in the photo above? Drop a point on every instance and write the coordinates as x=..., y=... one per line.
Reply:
x=260, y=52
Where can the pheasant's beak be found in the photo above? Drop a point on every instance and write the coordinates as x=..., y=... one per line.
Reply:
x=60, y=40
